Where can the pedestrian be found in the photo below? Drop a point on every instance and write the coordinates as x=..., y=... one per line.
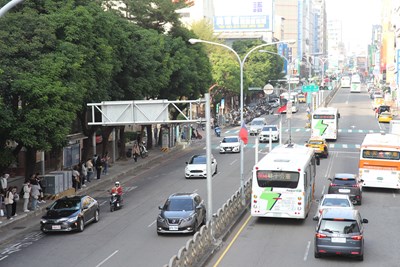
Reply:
x=15, y=201
x=75, y=178
x=135, y=151
x=98, y=165
x=4, y=183
x=105, y=160
x=84, y=173
x=35, y=193
x=89, y=167
x=9, y=201
x=27, y=192
x=42, y=188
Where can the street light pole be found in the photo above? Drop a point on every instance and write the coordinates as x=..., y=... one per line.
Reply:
x=241, y=64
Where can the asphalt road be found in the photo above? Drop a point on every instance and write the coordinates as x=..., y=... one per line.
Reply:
x=285, y=242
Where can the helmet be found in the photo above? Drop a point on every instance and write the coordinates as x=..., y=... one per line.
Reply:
x=117, y=183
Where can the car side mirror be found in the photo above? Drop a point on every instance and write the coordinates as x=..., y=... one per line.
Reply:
x=160, y=207
x=364, y=221
x=330, y=179
x=315, y=218
x=187, y=163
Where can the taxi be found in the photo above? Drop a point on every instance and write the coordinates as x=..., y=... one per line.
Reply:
x=302, y=98
x=385, y=117
x=319, y=145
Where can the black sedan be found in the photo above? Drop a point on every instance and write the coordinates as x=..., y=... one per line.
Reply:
x=70, y=214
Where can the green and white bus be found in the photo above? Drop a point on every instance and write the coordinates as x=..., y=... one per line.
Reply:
x=325, y=123
x=284, y=183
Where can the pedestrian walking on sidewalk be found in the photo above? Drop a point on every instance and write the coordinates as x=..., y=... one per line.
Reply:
x=89, y=166
x=15, y=201
x=9, y=201
x=135, y=151
x=4, y=183
x=83, y=173
x=75, y=178
x=35, y=193
x=98, y=165
x=105, y=161
x=27, y=192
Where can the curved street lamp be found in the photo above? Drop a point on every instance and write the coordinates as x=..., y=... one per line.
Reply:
x=241, y=64
x=8, y=6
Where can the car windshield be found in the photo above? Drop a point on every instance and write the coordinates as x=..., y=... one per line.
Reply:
x=71, y=204
x=315, y=142
x=336, y=202
x=257, y=122
x=344, y=181
x=230, y=140
x=179, y=204
x=339, y=226
x=266, y=129
x=198, y=160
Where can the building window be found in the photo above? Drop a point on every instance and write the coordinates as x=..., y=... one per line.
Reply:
x=257, y=7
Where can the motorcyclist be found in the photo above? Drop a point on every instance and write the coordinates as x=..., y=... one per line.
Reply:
x=117, y=189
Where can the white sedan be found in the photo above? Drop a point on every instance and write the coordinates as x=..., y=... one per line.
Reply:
x=197, y=167
x=337, y=201
x=229, y=144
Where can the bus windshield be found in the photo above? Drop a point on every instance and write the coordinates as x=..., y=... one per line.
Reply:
x=280, y=179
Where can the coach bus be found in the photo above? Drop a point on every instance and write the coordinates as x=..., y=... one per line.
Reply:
x=325, y=123
x=379, y=164
x=284, y=182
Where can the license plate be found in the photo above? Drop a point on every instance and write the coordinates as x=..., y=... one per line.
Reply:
x=338, y=239
x=56, y=227
x=173, y=228
x=228, y=149
x=344, y=191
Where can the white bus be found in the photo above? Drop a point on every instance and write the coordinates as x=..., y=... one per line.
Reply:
x=284, y=97
x=355, y=87
x=345, y=82
x=325, y=123
x=284, y=183
x=379, y=164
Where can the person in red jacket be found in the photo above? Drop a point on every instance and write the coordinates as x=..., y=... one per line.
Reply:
x=117, y=189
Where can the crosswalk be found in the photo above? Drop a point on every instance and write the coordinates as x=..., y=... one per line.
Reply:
x=331, y=146
x=359, y=131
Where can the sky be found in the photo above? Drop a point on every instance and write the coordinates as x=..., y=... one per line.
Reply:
x=357, y=17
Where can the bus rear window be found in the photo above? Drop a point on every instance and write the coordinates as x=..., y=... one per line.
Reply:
x=321, y=116
x=277, y=179
x=380, y=154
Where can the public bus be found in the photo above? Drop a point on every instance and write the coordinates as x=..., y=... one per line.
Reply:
x=284, y=182
x=355, y=86
x=345, y=82
x=284, y=97
x=325, y=123
x=379, y=164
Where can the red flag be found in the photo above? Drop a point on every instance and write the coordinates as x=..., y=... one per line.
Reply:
x=244, y=134
x=282, y=109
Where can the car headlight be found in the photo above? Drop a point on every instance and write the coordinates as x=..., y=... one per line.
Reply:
x=160, y=218
x=73, y=219
x=43, y=221
x=190, y=218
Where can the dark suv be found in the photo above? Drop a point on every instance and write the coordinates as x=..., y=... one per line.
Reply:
x=346, y=183
x=181, y=213
x=340, y=232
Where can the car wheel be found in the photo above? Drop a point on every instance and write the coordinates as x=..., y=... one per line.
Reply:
x=216, y=169
x=317, y=255
x=81, y=225
x=360, y=258
x=96, y=216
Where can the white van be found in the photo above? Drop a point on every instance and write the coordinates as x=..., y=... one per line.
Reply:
x=256, y=125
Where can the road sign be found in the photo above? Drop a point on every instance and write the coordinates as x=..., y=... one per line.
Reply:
x=268, y=89
x=310, y=88
x=255, y=89
x=294, y=80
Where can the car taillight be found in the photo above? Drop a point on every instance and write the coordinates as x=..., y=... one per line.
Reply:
x=333, y=184
x=355, y=185
x=318, y=235
x=357, y=237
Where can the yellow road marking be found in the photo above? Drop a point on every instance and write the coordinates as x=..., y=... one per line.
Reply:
x=233, y=241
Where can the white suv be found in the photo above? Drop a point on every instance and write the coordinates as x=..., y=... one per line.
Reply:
x=267, y=132
x=256, y=125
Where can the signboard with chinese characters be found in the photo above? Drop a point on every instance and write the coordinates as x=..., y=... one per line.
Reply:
x=243, y=15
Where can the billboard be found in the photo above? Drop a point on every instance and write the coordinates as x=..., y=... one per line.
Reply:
x=243, y=15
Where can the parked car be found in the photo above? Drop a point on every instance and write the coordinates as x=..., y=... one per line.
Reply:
x=319, y=145
x=269, y=132
x=340, y=232
x=346, y=183
x=336, y=201
x=229, y=144
x=197, y=166
x=256, y=125
x=70, y=213
x=181, y=213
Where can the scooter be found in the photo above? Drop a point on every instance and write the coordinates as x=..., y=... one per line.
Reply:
x=217, y=131
x=115, y=204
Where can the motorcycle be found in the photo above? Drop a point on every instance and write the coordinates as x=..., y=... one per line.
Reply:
x=217, y=131
x=115, y=204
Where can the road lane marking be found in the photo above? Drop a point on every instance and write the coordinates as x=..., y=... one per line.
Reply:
x=150, y=225
x=3, y=258
x=233, y=162
x=307, y=250
x=104, y=202
x=106, y=259
x=233, y=241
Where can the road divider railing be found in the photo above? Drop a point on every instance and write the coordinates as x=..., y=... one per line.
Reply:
x=207, y=240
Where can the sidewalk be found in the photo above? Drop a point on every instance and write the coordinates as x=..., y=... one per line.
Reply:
x=117, y=171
